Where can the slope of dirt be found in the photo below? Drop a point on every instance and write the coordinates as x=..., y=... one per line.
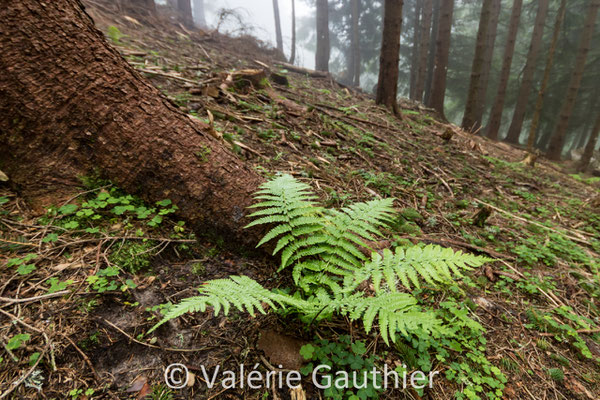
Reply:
x=537, y=301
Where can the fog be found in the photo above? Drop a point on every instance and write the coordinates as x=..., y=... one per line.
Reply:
x=258, y=20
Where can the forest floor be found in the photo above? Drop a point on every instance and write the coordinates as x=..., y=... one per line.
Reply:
x=84, y=280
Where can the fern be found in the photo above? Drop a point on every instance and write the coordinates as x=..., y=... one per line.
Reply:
x=396, y=312
x=326, y=252
x=242, y=292
x=434, y=264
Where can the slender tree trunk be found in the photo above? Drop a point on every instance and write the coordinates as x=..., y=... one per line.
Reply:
x=535, y=119
x=438, y=86
x=415, y=51
x=387, y=86
x=278, y=36
x=71, y=105
x=139, y=7
x=560, y=131
x=487, y=63
x=432, y=50
x=590, y=146
x=514, y=132
x=184, y=7
x=423, y=49
x=469, y=121
x=323, y=49
x=293, y=55
x=199, y=15
x=496, y=113
x=355, y=43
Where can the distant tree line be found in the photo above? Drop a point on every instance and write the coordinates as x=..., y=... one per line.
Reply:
x=524, y=71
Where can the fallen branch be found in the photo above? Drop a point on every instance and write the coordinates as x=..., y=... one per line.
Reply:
x=573, y=238
x=9, y=300
x=305, y=71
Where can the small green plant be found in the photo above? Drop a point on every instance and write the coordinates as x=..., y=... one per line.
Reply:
x=556, y=374
x=133, y=256
x=325, y=250
x=115, y=35
x=343, y=355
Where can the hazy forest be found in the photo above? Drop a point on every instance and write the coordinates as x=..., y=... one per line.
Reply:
x=300, y=199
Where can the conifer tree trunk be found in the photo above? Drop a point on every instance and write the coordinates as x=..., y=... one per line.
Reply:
x=387, y=86
x=487, y=63
x=435, y=23
x=590, y=146
x=415, y=50
x=425, y=35
x=293, y=55
x=496, y=113
x=558, y=136
x=469, y=121
x=535, y=119
x=71, y=106
x=184, y=7
x=514, y=132
x=442, y=52
x=278, y=36
x=199, y=14
x=323, y=49
x=355, y=43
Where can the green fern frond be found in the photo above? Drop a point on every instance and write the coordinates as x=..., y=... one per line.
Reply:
x=395, y=312
x=433, y=264
x=240, y=292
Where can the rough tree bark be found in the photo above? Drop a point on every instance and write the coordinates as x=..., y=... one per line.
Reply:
x=496, y=114
x=487, y=62
x=70, y=105
x=432, y=50
x=278, y=36
x=323, y=49
x=423, y=49
x=558, y=136
x=293, y=51
x=535, y=119
x=139, y=7
x=469, y=121
x=355, y=43
x=414, y=63
x=442, y=52
x=387, y=85
x=514, y=132
x=590, y=146
x=199, y=14
x=184, y=8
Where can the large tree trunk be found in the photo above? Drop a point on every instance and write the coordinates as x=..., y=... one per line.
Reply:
x=487, y=61
x=184, y=8
x=535, y=119
x=496, y=113
x=323, y=49
x=560, y=131
x=387, y=85
x=469, y=121
x=199, y=14
x=442, y=52
x=514, y=132
x=278, y=36
x=293, y=51
x=432, y=50
x=414, y=63
x=70, y=105
x=139, y=7
x=590, y=146
x=423, y=49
